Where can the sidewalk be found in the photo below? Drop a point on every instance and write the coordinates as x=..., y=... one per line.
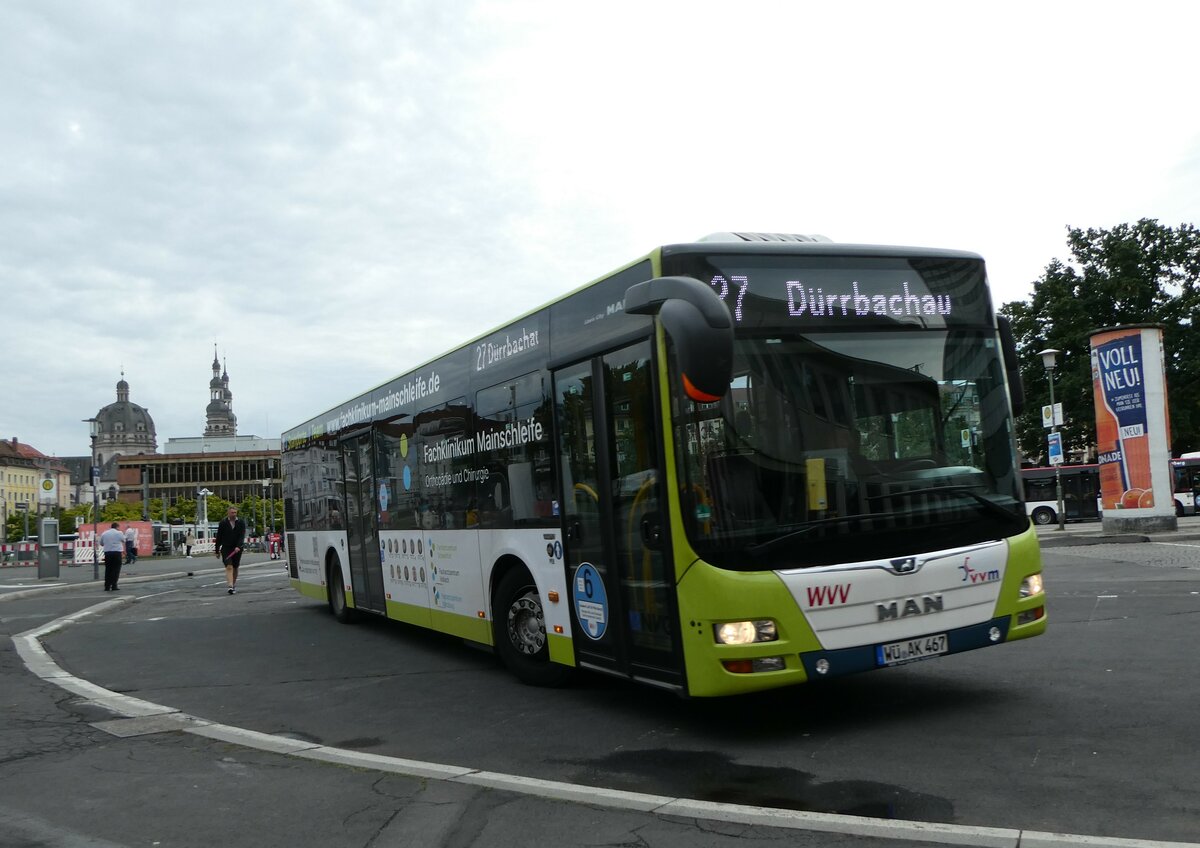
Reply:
x=1092, y=533
x=21, y=580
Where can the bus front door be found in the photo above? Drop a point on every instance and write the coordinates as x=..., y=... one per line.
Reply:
x=362, y=535
x=616, y=552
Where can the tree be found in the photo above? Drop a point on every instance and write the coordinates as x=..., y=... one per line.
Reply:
x=1130, y=274
x=120, y=511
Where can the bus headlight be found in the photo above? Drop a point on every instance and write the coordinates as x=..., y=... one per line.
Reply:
x=745, y=632
x=1031, y=585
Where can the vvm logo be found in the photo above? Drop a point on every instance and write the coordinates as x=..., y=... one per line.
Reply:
x=971, y=575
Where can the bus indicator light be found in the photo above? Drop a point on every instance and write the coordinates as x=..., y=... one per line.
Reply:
x=552, y=596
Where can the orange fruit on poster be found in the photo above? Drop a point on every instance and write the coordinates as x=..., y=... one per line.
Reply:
x=1146, y=500
x=1130, y=499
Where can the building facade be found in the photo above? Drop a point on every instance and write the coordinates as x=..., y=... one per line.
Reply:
x=232, y=475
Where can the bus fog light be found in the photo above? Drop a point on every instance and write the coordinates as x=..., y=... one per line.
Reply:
x=1029, y=616
x=745, y=632
x=1031, y=585
x=994, y=634
x=822, y=666
x=755, y=665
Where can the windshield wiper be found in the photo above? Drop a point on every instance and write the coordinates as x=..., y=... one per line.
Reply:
x=767, y=547
x=965, y=491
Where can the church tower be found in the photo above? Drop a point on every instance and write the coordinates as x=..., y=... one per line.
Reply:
x=221, y=420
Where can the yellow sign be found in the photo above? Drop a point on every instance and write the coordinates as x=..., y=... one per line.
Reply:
x=817, y=498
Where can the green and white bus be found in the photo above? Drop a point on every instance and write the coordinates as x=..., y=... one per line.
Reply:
x=742, y=463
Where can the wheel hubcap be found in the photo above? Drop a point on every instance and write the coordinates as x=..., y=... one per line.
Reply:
x=526, y=625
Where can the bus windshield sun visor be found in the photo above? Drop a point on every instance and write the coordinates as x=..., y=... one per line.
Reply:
x=699, y=326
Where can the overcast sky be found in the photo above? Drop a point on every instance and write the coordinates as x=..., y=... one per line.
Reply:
x=334, y=192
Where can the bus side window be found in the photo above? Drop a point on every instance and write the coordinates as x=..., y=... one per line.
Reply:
x=519, y=490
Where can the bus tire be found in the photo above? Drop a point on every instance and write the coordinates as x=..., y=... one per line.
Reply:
x=519, y=631
x=337, y=595
x=1179, y=510
x=1043, y=515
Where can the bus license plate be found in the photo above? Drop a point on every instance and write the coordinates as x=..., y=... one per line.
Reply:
x=911, y=650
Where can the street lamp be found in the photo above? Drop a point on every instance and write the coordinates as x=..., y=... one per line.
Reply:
x=1049, y=362
x=202, y=495
x=94, y=474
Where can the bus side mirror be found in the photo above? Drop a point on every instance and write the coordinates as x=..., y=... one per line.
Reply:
x=1016, y=389
x=700, y=327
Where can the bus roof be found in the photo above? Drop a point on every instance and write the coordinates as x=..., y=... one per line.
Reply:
x=724, y=242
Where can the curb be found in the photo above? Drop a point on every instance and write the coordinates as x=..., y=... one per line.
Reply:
x=1080, y=539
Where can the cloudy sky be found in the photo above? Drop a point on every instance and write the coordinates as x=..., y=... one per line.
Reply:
x=334, y=192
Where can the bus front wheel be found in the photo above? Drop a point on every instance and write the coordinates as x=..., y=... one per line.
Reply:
x=1043, y=515
x=519, y=631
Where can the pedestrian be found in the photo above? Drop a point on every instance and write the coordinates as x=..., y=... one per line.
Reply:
x=231, y=535
x=130, y=545
x=112, y=541
x=188, y=541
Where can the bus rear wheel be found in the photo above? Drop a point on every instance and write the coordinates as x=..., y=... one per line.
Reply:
x=337, y=596
x=1043, y=515
x=519, y=631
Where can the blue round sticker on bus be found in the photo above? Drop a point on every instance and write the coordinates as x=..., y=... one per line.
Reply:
x=591, y=601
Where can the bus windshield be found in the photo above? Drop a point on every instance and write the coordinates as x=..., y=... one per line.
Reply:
x=845, y=446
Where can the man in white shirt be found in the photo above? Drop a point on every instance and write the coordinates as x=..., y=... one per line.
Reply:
x=130, y=546
x=112, y=541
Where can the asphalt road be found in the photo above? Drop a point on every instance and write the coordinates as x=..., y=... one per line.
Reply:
x=1087, y=730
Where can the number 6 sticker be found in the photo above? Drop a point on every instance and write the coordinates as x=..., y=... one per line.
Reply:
x=591, y=601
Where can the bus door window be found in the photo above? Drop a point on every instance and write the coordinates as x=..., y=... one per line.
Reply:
x=366, y=569
x=639, y=522
x=580, y=484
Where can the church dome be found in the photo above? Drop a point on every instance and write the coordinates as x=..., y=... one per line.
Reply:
x=126, y=428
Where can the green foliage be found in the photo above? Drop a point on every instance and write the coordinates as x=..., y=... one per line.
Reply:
x=1131, y=274
x=14, y=527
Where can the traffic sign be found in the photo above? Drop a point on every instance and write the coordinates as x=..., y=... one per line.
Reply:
x=21, y=507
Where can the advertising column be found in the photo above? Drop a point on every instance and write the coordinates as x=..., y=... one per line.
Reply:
x=1133, y=435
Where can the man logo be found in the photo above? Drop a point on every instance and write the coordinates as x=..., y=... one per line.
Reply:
x=904, y=607
x=905, y=565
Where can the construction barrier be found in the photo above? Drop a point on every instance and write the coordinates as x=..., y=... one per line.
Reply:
x=26, y=553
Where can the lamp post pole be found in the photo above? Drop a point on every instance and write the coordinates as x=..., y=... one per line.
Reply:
x=1049, y=361
x=265, y=484
x=94, y=475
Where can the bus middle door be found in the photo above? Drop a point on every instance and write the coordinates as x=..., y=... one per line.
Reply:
x=362, y=532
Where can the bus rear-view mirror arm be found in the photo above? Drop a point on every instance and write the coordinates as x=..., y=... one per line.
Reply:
x=699, y=326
